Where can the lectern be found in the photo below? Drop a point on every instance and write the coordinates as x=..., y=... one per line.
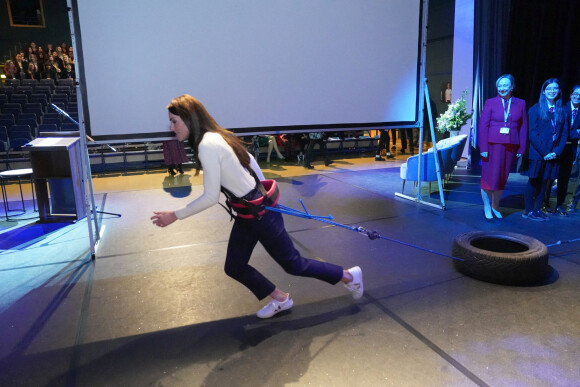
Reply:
x=57, y=171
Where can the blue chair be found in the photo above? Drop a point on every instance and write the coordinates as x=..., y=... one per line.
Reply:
x=30, y=123
x=47, y=82
x=52, y=115
x=17, y=143
x=47, y=128
x=7, y=123
x=20, y=131
x=67, y=82
x=447, y=151
x=39, y=98
x=34, y=108
x=8, y=90
x=30, y=82
x=24, y=90
x=8, y=117
x=3, y=134
x=14, y=83
x=19, y=98
x=54, y=121
x=43, y=89
x=29, y=115
x=69, y=126
x=61, y=89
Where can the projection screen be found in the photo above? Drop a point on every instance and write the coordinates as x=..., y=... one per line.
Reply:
x=258, y=66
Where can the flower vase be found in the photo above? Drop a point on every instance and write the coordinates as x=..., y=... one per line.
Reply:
x=453, y=133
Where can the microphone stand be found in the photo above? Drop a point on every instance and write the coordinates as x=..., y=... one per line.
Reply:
x=63, y=113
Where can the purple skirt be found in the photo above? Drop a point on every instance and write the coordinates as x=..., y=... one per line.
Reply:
x=495, y=169
x=174, y=152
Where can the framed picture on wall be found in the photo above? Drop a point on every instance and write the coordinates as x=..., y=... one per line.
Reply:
x=446, y=92
x=25, y=13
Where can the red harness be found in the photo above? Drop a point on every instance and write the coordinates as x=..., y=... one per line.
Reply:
x=254, y=208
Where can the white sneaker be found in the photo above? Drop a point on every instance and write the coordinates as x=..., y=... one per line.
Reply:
x=356, y=285
x=274, y=307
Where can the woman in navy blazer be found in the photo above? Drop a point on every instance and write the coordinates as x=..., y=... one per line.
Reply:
x=567, y=157
x=573, y=111
x=548, y=133
x=502, y=131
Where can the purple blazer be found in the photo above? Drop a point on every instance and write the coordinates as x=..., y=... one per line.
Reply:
x=492, y=120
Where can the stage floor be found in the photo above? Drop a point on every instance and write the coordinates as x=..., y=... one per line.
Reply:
x=155, y=307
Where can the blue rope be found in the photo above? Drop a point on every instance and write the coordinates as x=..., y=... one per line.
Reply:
x=328, y=220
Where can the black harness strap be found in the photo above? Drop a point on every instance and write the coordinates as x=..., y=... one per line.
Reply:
x=244, y=205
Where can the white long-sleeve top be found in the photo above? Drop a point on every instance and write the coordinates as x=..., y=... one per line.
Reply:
x=221, y=167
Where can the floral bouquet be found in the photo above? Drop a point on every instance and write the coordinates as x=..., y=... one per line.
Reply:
x=455, y=117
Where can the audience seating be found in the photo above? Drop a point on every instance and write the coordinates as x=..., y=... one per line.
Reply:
x=31, y=123
x=29, y=115
x=12, y=82
x=3, y=134
x=47, y=128
x=39, y=98
x=30, y=82
x=47, y=82
x=19, y=130
x=8, y=90
x=69, y=126
x=34, y=107
x=67, y=82
x=8, y=116
x=43, y=89
x=13, y=108
x=19, y=99
x=52, y=115
x=54, y=121
x=7, y=123
x=24, y=90
x=17, y=143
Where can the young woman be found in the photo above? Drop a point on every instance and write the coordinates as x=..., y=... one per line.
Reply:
x=227, y=165
x=548, y=132
x=573, y=111
x=502, y=132
x=566, y=159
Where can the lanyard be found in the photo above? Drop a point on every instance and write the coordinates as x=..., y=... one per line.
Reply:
x=506, y=113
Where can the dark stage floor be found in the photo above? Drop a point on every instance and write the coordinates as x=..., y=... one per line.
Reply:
x=155, y=307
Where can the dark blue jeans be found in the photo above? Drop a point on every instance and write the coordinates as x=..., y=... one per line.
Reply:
x=271, y=233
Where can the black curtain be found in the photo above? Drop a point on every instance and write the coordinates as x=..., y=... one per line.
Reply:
x=491, y=26
x=531, y=39
x=544, y=42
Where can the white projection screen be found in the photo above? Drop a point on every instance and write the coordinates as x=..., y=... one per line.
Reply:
x=258, y=66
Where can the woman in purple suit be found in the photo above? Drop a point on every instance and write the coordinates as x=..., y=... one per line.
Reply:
x=502, y=132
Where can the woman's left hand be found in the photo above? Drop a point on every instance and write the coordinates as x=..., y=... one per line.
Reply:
x=163, y=218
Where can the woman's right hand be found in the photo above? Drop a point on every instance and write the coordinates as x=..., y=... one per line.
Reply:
x=163, y=218
x=484, y=155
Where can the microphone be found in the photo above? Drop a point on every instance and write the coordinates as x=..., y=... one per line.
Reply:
x=62, y=112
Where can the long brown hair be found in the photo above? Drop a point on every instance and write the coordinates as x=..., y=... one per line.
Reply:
x=199, y=121
x=559, y=114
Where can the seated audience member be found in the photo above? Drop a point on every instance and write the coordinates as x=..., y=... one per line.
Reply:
x=31, y=72
x=10, y=70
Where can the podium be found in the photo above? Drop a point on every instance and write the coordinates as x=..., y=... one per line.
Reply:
x=57, y=172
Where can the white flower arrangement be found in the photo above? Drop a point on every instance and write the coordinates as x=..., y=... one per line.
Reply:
x=455, y=117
